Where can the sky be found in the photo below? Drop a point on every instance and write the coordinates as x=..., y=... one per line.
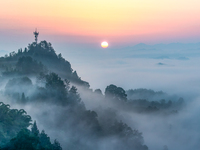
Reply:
x=119, y=21
x=76, y=29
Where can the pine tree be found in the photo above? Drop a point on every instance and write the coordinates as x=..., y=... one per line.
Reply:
x=34, y=129
x=56, y=145
x=45, y=140
x=23, y=98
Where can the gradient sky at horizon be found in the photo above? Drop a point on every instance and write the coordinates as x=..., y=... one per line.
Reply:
x=88, y=21
x=76, y=29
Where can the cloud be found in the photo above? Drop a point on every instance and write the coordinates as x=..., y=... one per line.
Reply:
x=183, y=58
x=161, y=64
x=131, y=70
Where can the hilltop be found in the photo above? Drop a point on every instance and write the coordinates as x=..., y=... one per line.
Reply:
x=43, y=81
x=37, y=58
x=39, y=80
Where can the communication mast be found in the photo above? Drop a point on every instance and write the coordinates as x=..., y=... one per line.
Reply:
x=36, y=35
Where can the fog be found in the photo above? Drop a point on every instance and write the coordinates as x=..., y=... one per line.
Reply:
x=176, y=131
x=138, y=67
x=135, y=68
x=173, y=70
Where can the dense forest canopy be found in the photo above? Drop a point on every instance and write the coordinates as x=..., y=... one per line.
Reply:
x=15, y=135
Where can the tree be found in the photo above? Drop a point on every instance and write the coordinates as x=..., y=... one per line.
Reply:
x=56, y=88
x=116, y=93
x=11, y=122
x=23, y=99
x=27, y=65
x=34, y=129
x=56, y=145
x=74, y=97
x=24, y=141
x=54, y=82
x=45, y=141
x=98, y=91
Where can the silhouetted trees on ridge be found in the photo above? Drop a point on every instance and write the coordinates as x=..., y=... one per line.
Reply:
x=38, y=58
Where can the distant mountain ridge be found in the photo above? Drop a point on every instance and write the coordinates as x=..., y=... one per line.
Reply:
x=176, y=51
x=167, y=46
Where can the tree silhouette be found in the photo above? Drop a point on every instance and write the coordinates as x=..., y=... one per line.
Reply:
x=45, y=141
x=24, y=141
x=56, y=145
x=116, y=93
x=34, y=129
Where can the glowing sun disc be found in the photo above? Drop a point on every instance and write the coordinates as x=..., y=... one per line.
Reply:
x=104, y=44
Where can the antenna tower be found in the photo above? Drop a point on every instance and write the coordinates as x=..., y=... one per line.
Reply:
x=36, y=35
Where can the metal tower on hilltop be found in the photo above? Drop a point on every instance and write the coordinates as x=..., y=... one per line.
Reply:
x=36, y=35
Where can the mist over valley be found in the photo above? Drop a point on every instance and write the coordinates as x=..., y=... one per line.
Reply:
x=144, y=98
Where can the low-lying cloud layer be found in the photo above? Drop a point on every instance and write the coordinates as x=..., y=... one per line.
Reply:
x=174, y=128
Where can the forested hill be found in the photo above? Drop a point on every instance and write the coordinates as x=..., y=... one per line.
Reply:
x=37, y=58
x=42, y=82
x=39, y=81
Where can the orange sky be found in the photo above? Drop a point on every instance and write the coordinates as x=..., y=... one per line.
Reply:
x=116, y=20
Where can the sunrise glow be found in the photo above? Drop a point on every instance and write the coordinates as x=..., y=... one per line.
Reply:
x=119, y=21
x=104, y=44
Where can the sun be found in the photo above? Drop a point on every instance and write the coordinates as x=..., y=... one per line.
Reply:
x=104, y=44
